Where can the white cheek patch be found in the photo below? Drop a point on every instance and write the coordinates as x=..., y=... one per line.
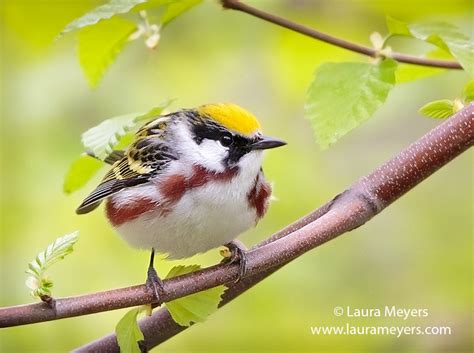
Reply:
x=209, y=153
x=212, y=152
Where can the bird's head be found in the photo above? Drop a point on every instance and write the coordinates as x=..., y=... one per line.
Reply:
x=218, y=137
x=221, y=136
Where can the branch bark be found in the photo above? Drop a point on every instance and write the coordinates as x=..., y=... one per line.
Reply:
x=351, y=209
x=342, y=43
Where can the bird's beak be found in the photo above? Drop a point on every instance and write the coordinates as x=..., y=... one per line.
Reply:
x=266, y=142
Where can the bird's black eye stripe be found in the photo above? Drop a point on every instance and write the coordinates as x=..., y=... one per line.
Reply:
x=208, y=131
x=241, y=142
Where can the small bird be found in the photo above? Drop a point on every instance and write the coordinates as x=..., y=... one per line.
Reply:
x=191, y=181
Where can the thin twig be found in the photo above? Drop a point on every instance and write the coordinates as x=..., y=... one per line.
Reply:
x=342, y=43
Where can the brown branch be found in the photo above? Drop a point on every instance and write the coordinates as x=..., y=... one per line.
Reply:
x=342, y=43
x=362, y=201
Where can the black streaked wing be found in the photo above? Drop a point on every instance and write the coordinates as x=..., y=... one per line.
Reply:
x=115, y=156
x=156, y=127
x=144, y=159
x=103, y=190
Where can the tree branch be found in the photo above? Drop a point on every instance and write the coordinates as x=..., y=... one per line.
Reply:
x=342, y=43
x=362, y=201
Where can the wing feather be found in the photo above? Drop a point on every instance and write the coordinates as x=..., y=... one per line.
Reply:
x=147, y=157
x=105, y=189
x=113, y=157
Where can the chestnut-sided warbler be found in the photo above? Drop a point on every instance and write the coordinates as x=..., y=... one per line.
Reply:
x=190, y=182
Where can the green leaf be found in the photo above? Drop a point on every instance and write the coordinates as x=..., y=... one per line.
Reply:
x=177, y=8
x=80, y=172
x=55, y=251
x=37, y=280
x=102, y=139
x=170, y=9
x=108, y=10
x=195, y=307
x=396, y=27
x=99, y=45
x=344, y=95
x=444, y=35
x=468, y=94
x=439, y=109
x=154, y=112
x=125, y=141
x=128, y=332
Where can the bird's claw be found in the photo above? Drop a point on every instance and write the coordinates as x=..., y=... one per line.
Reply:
x=155, y=284
x=238, y=254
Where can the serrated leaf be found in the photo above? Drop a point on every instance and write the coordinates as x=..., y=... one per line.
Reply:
x=80, y=172
x=99, y=45
x=177, y=8
x=344, y=95
x=439, y=109
x=56, y=251
x=195, y=307
x=128, y=332
x=61, y=247
x=444, y=35
x=103, y=12
x=102, y=139
x=468, y=93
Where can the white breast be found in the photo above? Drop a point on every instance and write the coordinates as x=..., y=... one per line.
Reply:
x=204, y=217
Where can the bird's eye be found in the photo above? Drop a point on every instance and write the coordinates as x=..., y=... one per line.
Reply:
x=226, y=140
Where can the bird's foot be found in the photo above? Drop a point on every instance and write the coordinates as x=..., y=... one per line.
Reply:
x=237, y=253
x=155, y=284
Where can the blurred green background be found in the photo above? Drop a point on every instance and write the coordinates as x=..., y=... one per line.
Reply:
x=416, y=254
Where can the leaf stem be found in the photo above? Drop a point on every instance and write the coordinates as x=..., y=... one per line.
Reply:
x=342, y=43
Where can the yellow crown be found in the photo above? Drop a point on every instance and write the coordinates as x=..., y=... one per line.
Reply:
x=232, y=117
